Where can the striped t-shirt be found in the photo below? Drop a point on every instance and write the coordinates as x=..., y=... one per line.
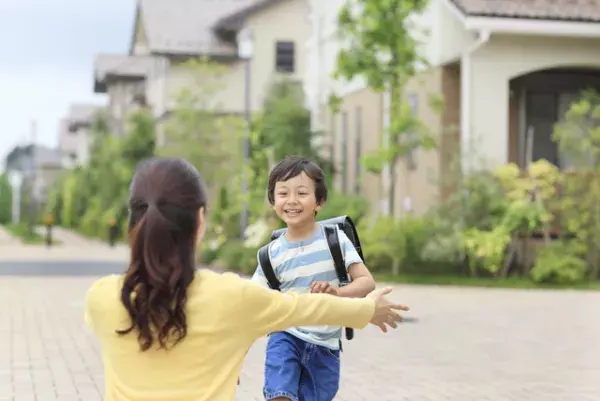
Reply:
x=297, y=265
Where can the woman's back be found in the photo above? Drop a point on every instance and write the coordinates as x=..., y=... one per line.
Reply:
x=170, y=333
x=225, y=314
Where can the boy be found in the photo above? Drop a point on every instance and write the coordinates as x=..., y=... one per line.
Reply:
x=303, y=363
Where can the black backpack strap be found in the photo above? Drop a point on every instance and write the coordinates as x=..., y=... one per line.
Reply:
x=333, y=240
x=265, y=264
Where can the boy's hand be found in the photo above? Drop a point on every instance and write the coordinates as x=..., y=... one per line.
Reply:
x=323, y=287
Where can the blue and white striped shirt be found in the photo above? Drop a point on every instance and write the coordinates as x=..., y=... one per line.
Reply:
x=297, y=265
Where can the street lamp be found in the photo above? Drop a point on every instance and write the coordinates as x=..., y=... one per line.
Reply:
x=245, y=45
x=16, y=179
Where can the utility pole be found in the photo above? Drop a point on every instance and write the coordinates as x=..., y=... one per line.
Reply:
x=33, y=175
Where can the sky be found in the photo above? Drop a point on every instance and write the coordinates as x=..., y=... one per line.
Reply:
x=47, y=50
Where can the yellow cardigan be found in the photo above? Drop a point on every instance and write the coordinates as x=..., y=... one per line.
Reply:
x=225, y=315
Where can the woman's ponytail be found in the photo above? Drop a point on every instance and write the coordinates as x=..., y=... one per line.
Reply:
x=154, y=291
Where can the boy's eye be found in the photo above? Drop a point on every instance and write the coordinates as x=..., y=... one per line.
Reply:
x=302, y=193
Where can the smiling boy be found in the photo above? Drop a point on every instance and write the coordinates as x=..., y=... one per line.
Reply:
x=303, y=363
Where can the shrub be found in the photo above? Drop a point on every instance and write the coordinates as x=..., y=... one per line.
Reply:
x=384, y=245
x=340, y=204
x=233, y=255
x=560, y=263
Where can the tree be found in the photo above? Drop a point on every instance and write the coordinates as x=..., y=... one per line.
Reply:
x=5, y=199
x=578, y=138
x=199, y=131
x=383, y=48
x=89, y=197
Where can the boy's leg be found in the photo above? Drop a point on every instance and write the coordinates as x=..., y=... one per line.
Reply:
x=320, y=379
x=282, y=367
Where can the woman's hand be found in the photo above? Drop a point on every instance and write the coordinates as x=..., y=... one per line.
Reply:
x=385, y=310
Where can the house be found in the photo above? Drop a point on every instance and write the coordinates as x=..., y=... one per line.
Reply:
x=75, y=134
x=173, y=31
x=37, y=164
x=123, y=78
x=504, y=68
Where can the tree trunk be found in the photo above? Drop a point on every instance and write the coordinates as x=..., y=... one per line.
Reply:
x=395, y=267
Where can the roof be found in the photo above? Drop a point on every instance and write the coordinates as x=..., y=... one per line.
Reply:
x=83, y=113
x=119, y=65
x=235, y=20
x=187, y=27
x=19, y=158
x=561, y=10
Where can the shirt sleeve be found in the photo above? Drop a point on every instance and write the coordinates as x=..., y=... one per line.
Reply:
x=259, y=275
x=95, y=297
x=348, y=250
x=264, y=311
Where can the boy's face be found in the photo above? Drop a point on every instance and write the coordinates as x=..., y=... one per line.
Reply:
x=295, y=200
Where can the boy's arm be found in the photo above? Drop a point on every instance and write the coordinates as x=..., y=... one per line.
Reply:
x=362, y=282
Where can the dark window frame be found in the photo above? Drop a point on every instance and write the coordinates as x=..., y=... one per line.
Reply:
x=285, y=56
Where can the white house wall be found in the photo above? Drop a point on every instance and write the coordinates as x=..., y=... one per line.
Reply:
x=450, y=39
x=445, y=39
x=507, y=57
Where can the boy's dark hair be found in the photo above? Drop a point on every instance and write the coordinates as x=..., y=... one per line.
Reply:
x=293, y=166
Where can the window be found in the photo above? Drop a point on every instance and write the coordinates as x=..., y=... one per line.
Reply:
x=413, y=102
x=357, y=153
x=284, y=57
x=344, y=152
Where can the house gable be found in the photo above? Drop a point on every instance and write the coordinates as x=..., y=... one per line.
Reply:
x=139, y=40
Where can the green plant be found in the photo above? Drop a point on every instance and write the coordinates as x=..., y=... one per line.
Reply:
x=339, y=204
x=5, y=199
x=578, y=138
x=21, y=231
x=561, y=263
x=486, y=249
x=384, y=246
x=234, y=255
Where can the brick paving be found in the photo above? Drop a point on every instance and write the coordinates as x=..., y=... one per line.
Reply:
x=466, y=344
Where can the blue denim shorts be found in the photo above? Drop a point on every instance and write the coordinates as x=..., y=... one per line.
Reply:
x=299, y=370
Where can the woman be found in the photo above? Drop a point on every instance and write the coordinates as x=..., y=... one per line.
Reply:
x=169, y=332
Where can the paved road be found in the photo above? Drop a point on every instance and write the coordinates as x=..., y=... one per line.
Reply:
x=468, y=344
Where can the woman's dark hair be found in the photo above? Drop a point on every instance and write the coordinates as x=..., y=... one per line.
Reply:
x=293, y=166
x=166, y=195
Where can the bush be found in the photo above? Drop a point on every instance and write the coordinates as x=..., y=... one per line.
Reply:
x=384, y=245
x=5, y=200
x=340, y=204
x=560, y=263
x=233, y=255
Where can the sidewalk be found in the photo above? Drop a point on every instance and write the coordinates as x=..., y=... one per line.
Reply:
x=68, y=237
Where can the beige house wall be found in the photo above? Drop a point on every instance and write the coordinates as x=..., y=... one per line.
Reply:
x=363, y=110
x=266, y=27
x=419, y=185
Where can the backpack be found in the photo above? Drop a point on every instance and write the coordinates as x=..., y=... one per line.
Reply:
x=331, y=227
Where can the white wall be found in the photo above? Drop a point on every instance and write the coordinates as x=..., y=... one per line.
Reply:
x=507, y=57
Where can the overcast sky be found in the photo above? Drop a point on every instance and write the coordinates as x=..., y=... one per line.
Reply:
x=47, y=49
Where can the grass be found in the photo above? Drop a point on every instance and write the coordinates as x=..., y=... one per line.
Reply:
x=21, y=231
x=511, y=282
